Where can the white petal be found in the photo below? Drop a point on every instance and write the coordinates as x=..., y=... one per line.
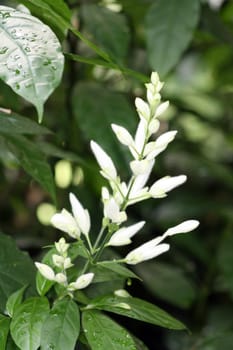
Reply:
x=81, y=215
x=60, y=278
x=186, y=226
x=105, y=162
x=166, y=138
x=65, y=222
x=142, y=108
x=112, y=211
x=58, y=260
x=140, y=167
x=140, y=181
x=84, y=280
x=160, y=188
x=161, y=109
x=140, y=136
x=123, y=135
x=46, y=271
x=154, y=126
x=145, y=252
x=123, y=235
x=62, y=246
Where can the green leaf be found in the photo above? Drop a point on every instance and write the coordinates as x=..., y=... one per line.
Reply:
x=118, y=269
x=54, y=13
x=61, y=329
x=14, y=300
x=13, y=264
x=103, y=333
x=170, y=284
x=100, y=62
x=33, y=161
x=138, y=309
x=112, y=107
x=31, y=59
x=11, y=123
x=108, y=29
x=169, y=29
x=4, y=329
x=27, y=323
x=139, y=344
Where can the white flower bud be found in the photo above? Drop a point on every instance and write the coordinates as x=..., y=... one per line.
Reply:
x=140, y=137
x=123, y=135
x=140, y=167
x=161, y=109
x=105, y=194
x=81, y=282
x=46, y=271
x=81, y=215
x=154, y=126
x=62, y=246
x=156, y=82
x=58, y=260
x=112, y=211
x=67, y=263
x=186, y=226
x=160, y=188
x=65, y=222
x=145, y=252
x=123, y=235
x=104, y=161
x=166, y=138
x=61, y=278
x=142, y=108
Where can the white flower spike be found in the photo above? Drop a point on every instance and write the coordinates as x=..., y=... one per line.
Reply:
x=123, y=235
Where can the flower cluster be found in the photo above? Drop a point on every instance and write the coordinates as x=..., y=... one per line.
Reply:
x=144, y=148
x=61, y=263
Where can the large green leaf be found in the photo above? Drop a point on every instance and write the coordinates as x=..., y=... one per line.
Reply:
x=32, y=160
x=54, y=13
x=104, y=333
x=61, y=329
x=95, y=108
x=31, y=60
x=13, y=264
x=117, y=269
x=138, y=309
x=169, y=29
x=170, y=283
x=27, y=323
x=108, y=29
x=14, y=300
x=4, y=329
x=11, y=123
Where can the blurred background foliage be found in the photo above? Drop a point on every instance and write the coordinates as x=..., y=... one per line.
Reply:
x=190, y=44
